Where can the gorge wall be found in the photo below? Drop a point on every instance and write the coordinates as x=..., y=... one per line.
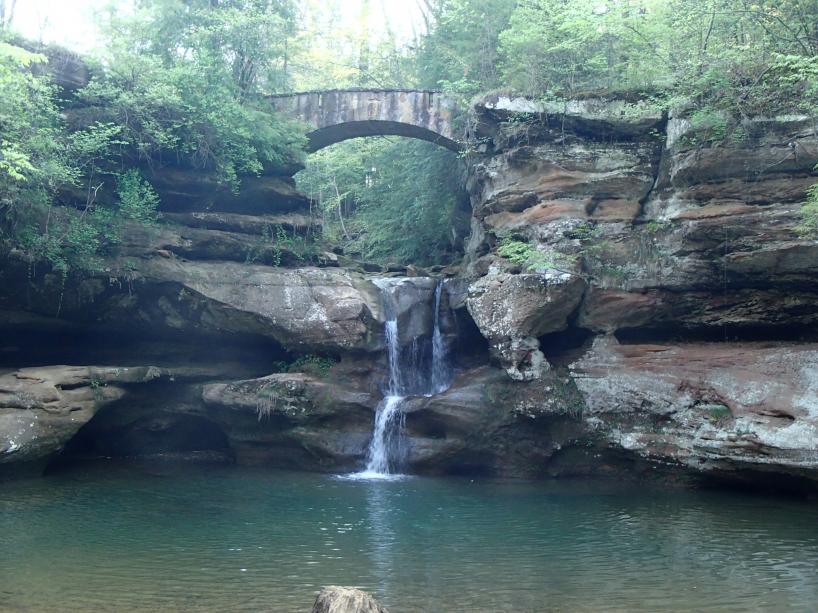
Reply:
x=664, y=326
x=683, y=304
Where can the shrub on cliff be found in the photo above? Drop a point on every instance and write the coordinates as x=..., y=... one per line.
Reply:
x=32, y=138
x=185, y=82
x=809, y=213
x=179, y=82
x=38, y=158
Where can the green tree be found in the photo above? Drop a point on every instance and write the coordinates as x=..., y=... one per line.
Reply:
x=186, y=82
x=31, y=159
x=460, y=50
x=388, y=200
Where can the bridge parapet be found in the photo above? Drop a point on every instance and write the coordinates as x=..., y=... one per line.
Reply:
x=338, y=115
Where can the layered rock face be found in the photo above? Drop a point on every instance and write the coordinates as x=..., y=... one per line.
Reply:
x=217, y=292
x=660, y=324
x=686, y=299
x=723, y=407
x=41, y=409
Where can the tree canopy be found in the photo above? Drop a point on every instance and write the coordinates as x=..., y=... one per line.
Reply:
x=184, y=81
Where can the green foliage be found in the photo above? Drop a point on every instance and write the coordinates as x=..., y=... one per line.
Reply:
x=718, y=414
x=316, y=365
x=390, y=201
x=809, y=214
x=138, y=200
x=73, y=240
x=342, y=44
x=32, y=143
x=97, y=385
x=655, y=226
x=584, y=231
x=573, y=45
x=728, y=58
x=529, y=257
x=38, y=157
x=276, y=242
x=460, y=53
x=15, y=164
x=707, y=125
x=180, y=82
x=313, y=364
x=185, y=81
x=301, y=247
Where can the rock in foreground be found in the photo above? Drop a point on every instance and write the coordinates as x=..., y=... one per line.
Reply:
x=335, y=599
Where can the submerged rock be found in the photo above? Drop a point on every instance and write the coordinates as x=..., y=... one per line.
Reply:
x=335, y=599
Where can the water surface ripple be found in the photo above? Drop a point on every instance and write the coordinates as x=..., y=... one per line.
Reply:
x=195, y=539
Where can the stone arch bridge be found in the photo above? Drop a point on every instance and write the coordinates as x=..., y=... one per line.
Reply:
x=339, y=115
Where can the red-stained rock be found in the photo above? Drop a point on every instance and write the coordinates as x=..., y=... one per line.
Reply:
x=711, y=407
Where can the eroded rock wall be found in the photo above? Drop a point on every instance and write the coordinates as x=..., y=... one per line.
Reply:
x=684, y=258
x=665, y=327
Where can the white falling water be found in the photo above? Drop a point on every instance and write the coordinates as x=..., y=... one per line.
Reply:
x=385, y=437
x=441, y=372
x=385, y=447
x=393, y=357
x=388, y=416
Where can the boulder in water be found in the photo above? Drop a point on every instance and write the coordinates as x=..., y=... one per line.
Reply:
x=335, y=599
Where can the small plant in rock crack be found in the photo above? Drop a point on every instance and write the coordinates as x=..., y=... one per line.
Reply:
x=584, y=231
x=718, y=414
x=655, y=226
x=316, y=365
x=97, y=384
x=276, y=241
x=267, y=401
x=311, y=364
x=529, y=257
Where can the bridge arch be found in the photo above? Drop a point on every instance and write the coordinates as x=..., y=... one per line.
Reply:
x=339, y=115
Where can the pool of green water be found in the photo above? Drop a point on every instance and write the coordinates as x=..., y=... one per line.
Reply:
x=228, y=539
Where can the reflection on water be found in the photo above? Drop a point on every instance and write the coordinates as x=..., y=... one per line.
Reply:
x=381, y=534
x=228, y=539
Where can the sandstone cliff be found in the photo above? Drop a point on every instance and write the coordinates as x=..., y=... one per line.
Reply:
x=667, y=329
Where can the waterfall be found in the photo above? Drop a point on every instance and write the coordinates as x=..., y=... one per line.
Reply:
x=441, y=372
x=385, y=448
x=385, y=437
